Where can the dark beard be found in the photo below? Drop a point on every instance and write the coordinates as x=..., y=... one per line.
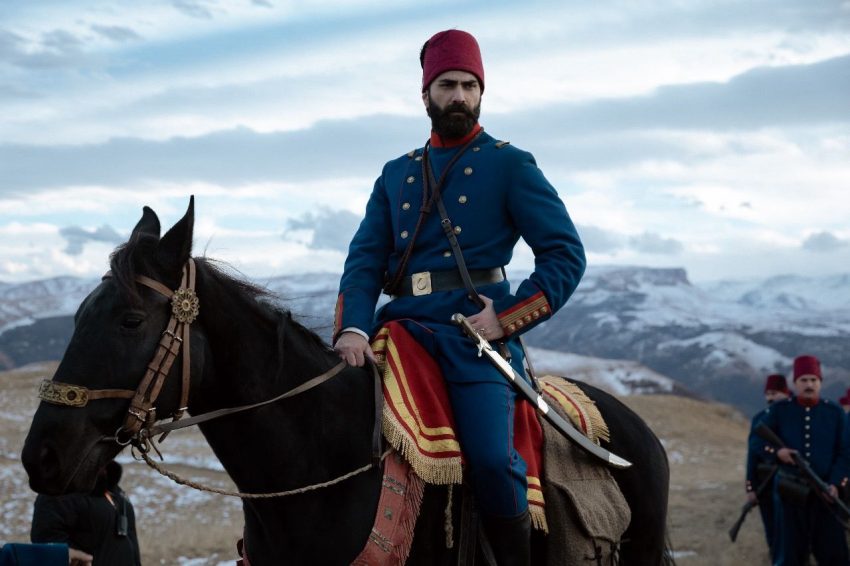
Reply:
x=450, y=125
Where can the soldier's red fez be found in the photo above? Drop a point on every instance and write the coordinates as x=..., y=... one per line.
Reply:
x=776, y=382
x=451, y=50
x=806, y=365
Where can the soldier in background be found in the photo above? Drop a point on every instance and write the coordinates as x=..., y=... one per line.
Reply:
x=817, y=430
x=101, y=523
x=761, y=465
x=844, y=401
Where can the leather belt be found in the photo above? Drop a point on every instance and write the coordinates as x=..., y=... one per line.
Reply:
x=427, y=282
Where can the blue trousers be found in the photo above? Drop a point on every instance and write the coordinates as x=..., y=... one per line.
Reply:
x=803, y=529
x=483, y=404
x=766, y=510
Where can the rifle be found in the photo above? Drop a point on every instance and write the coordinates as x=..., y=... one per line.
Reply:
x=821, y=487
x=748, y=506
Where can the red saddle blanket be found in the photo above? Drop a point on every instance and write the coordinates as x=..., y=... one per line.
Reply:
x=418, y=422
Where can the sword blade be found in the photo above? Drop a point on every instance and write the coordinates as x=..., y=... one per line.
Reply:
x=527, y=391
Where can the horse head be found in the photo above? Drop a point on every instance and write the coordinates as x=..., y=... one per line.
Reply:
x=82, y=421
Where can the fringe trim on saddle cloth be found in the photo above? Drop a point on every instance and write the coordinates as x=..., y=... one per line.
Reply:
x=433, y=451
x=417, y=418
x=391, y=537
x=579, y=407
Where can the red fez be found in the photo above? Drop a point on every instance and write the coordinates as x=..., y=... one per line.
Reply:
x=776, y=382
x=806, y=365
x=451, y=50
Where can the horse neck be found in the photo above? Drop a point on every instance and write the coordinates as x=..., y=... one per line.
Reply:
x=313, y=438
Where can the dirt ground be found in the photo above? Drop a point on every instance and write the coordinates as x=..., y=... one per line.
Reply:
x=705, y=444
x=706, y=447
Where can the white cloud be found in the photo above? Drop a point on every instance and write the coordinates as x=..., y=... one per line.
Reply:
x=267, y=111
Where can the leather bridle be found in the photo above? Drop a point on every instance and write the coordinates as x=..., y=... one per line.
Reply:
x=140, y=423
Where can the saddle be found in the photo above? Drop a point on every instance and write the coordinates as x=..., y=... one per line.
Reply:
x=571, y=497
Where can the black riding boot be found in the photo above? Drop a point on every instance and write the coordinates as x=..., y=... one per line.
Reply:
x=510, y=539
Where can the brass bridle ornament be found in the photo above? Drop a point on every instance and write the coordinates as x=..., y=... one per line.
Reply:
x=141, y=415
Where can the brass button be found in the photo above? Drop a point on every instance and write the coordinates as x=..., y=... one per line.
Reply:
x=405, y=206
x=476, y=148
x=527, y=318
x=457, y=229
x=462, y=199
x=418, y=158
x=520, y=323
x=404, y=234
x=544, y=309
x=512, y=328
x=447, y=253
x=467, y=171
x=411, y=179
x=535, y=314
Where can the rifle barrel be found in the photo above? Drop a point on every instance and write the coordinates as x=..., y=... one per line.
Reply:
x=767, y=434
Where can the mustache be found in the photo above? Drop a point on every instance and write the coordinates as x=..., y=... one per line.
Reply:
x=459, y=107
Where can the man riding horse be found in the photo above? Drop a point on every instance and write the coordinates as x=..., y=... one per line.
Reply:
x=488, y=195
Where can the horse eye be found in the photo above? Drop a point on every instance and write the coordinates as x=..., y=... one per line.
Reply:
x=132, y=321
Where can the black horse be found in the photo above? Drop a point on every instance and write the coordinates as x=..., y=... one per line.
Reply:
x=246, y=350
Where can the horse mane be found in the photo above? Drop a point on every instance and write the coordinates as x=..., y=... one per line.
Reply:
x=261, y=302
x=235, y=298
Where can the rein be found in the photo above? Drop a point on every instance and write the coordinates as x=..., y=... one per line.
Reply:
x=140, y=424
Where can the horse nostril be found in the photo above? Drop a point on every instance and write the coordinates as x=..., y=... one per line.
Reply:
x=43, y=467
x=49, y=458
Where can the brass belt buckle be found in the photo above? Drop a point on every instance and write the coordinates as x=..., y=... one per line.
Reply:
x=421, y=283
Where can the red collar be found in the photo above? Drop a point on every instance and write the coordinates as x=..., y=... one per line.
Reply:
x=807, y=403
x=437, y=141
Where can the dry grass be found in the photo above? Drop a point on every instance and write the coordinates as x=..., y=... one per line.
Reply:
x=706, y=446
x=705, y=443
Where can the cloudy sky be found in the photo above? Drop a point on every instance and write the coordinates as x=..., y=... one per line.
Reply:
x=705, y=134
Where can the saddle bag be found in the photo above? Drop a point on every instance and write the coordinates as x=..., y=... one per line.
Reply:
x=792, y=488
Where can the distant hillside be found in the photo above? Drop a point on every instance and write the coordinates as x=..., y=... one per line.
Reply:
x=715, y=340
x=705, y=444
x=718, y=340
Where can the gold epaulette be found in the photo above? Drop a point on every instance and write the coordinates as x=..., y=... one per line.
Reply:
x=501, y=144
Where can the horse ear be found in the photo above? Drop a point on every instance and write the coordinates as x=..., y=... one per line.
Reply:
x=176, y=246
x=147, y=225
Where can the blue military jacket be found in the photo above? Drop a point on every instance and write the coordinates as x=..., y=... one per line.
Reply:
x=819, y=432
x=46, y=554
x=494, y=194
x=756, y=452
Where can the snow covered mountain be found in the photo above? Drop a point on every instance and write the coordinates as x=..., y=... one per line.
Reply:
x=718, y=340
x=626, y=329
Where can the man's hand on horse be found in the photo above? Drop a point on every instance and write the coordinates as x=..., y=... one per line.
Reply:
x=486, y=323
x=353, y=348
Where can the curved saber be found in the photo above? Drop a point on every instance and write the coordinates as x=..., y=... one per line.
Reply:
x=563, y=426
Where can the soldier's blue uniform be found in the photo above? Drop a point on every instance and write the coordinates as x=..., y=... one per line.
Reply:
x=820, y=434
x=756, y=457
x=494, y=194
